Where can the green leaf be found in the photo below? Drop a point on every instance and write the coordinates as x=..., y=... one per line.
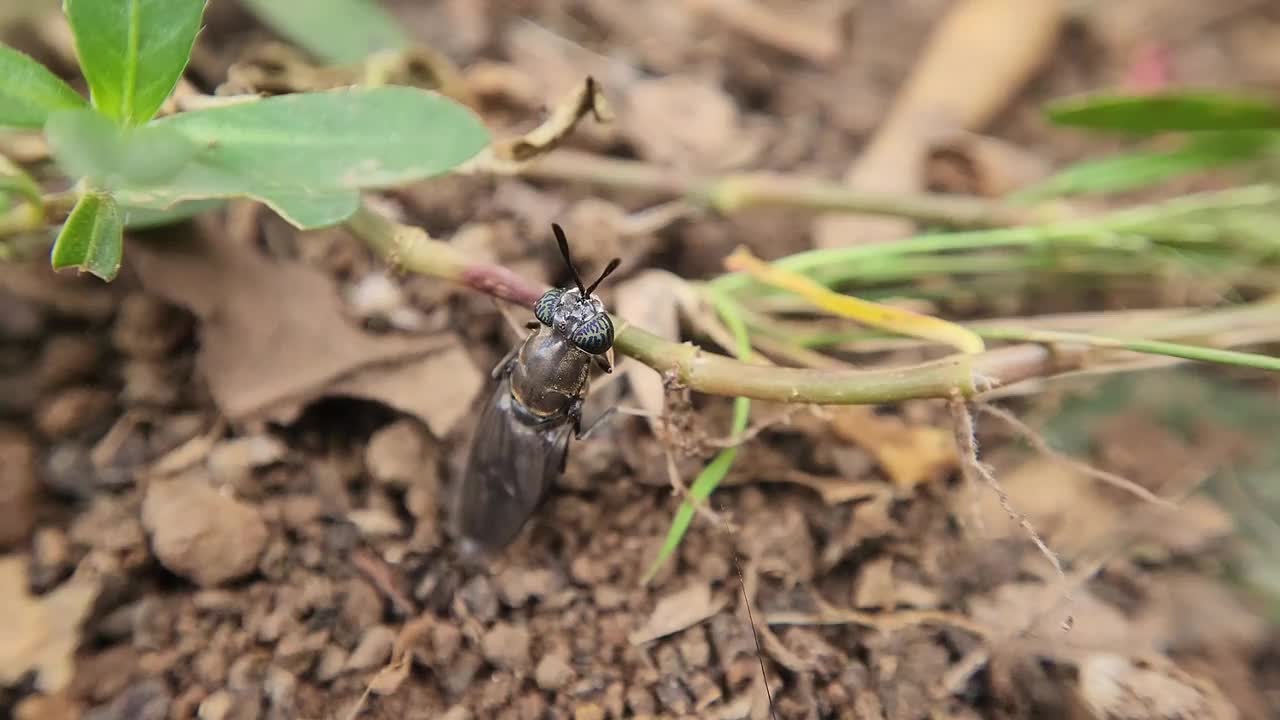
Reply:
x=308, y=155
x=29, y=92
x=86, y=143
x=132, y=52
x=1169, y=112
x=337, y=31
x=142, y=218
x=1142, y=169
x=92, y=238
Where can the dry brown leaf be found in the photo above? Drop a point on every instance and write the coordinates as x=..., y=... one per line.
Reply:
x=649, y=300
x=41, y=633
x=274, y=335
x=439, y=388
x=875, y=587
x=677, y=611
x=837, y=490
x=1117, y=687
x=1060, y=502
x=566, y=114
x=796, y=31
x=389, y=678
x=1077, y=515
x=686, y=123
x=48, y=707
x=1034, y=607
x=1007, y=40
x=909, y=454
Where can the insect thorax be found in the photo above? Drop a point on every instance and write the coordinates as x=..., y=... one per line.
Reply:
x=580, y=319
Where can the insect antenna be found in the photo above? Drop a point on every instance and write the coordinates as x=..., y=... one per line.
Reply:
x=613, y=265
x=564, y=251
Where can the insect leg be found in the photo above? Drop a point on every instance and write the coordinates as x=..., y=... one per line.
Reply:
x=504, y=362
x=583, y=434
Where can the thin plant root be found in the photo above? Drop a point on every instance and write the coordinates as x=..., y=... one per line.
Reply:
x=972, y=466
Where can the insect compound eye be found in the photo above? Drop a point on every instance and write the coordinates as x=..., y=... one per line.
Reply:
x=546, y=308
x=594, y=336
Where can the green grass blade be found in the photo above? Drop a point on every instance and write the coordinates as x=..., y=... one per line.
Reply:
x=1149, y=347
x=1167, y=112
x=1129, y=171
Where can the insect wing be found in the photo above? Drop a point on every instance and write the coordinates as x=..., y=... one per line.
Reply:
x=511, y=465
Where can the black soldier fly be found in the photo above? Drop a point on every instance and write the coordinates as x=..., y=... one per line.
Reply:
x=521, y=443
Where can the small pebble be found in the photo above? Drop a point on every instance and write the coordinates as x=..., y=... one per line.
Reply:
x=50, y=558
x=480, y=598
x=362, y=608
x=298, y=650
x=396, y=454
x=640, y=701
x=201, y=534
x=72, y=410
x=280, y=688
x=147, y=327
x=373, y=650
x=332, y=660
x=553, y=672
x=457, y=675
x=65, y=359
x=300, y=511
x=446, y=640
x=517, y=586
x=18, y=484
x=507, y=646
x=146, y=700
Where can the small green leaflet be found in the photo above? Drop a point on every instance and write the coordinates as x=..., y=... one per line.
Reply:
x=92, y=238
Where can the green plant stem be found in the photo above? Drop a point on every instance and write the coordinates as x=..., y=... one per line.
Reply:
x=1152, y=347
x=1121, y=230
x=412, y=249
x=718, y=375
x=731, y=193
x=706, y=372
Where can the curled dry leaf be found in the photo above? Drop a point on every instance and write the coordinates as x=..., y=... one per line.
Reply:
x=677, y=611
x=1116, y=687
x=1009, y=39
x=566, y=114
x=909, y=454
x=41, y=634
x=274, y=337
